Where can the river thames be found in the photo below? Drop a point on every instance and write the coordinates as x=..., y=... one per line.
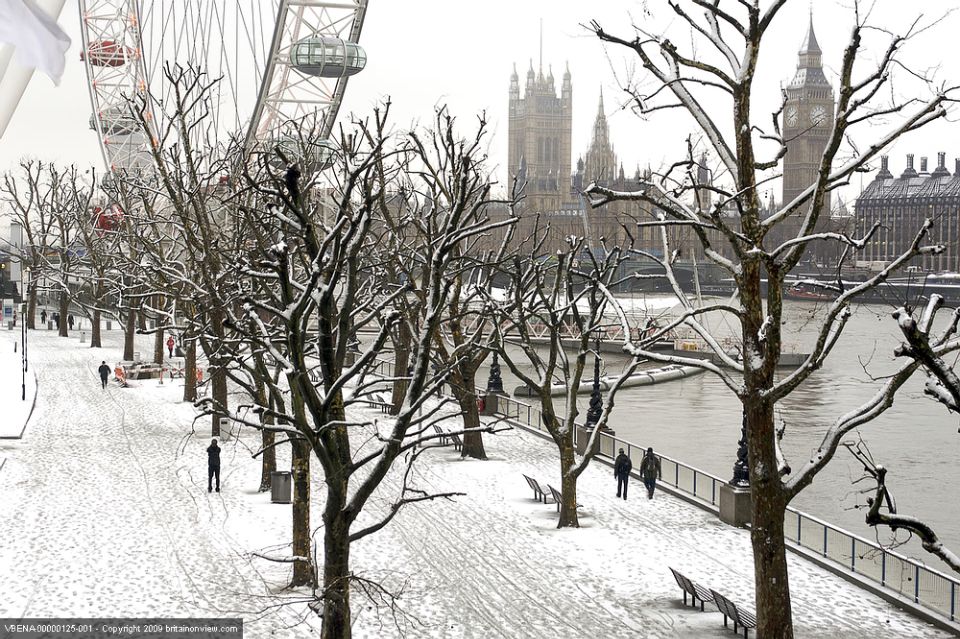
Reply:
x=697, y=421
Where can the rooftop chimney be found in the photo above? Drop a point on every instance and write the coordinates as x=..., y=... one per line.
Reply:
x=884, y=173
x=923, y=165
x=956, y=167
x=909, y=171
x=941, y=170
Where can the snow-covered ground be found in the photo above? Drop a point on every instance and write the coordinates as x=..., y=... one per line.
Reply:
x=104, y=512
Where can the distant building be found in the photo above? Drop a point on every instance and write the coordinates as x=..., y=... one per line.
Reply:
x=807, y=126
x=901, y=204
x=539, y=131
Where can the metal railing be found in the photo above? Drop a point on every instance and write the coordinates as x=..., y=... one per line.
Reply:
x=907, y=577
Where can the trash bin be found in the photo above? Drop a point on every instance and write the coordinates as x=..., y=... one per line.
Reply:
x=280, y=486
x=49, y=325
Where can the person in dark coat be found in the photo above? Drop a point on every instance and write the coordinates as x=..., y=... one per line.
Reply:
x=213, y=465
x=104, y=371
x=70, y=321
x=650, y=471
x=43, y=316
x=56, y=320
x=621, y=470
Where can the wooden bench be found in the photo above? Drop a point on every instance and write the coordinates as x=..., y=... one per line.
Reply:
x=740, y=616
x=695, y=590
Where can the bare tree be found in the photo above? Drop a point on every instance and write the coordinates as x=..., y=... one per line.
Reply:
x=715, y=87
x=318, y=283
x=29, y=192
x=462, y=341
x=566, y=296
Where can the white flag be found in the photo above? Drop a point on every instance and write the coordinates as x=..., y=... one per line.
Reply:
x=38, y=41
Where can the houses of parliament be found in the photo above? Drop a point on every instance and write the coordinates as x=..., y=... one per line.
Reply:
x=540, y=153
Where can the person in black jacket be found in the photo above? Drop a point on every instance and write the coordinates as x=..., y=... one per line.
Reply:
x=104, y=371
x=621, y=470
x=650, y=471
x=213, y=465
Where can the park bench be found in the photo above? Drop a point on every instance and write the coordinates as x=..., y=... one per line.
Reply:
x=444, y=436
x=557, y=496
x=695, y=590
x=740, y=616
x=538, y=493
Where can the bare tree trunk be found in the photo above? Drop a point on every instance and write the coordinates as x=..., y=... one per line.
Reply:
x=158, y=346
x=774, y=614
x=336, y=567
x=64, y=312
x=464, y=388
x=303, y=573
x=568, y=487
x=31, y=306
x=401, y=361
x=190, y=372
x=268, y=439
x=141, y=320
x=218, y=382
x=129, y=330
x=95, y=341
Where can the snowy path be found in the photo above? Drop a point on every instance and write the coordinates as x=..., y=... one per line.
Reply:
x=497, y=559
x=103, y=511
x=101, y=514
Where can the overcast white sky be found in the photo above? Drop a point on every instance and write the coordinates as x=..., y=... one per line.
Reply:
x=426, y=52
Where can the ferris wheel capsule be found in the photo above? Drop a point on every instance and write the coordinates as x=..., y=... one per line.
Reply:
x=327, y=57
x=107, y=53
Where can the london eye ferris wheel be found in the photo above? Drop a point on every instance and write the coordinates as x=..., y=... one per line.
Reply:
x=279, y=61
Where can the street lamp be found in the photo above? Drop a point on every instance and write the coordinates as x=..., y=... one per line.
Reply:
x=495, y=381
x=23, y=316
x=596, y=400
x=741, y=468
x=23, y=353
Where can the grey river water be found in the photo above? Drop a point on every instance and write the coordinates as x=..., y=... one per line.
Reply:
x=697, y=421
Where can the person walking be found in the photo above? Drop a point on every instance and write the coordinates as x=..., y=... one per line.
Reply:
x=104, y=371
x=650, y=471
x=56, y=320
x=621, y=470
x=213, y=465
x=70, y=321
x=43, y=316
x=170, y=343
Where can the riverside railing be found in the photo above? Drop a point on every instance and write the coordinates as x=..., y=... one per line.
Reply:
x=907, y=577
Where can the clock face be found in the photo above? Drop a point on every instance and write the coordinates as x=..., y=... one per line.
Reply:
x=818, y=115
x=793, y=116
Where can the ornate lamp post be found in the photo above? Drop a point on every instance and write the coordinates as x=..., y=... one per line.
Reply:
x=495, y=381
x=741, y=468
x=23, y=317
x=596, y=400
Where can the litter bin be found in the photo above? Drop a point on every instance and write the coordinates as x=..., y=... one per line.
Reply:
x=280, y=486
x=49, y=325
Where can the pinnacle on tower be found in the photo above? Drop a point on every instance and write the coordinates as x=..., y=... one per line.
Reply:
x=811, y=45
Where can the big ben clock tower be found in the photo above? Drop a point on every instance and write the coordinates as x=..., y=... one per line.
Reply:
x=807, y=125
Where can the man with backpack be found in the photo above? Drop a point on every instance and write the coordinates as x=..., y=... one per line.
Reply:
x=621, y=470
x=104, y=371
x=213, y=465
x=650, y=471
